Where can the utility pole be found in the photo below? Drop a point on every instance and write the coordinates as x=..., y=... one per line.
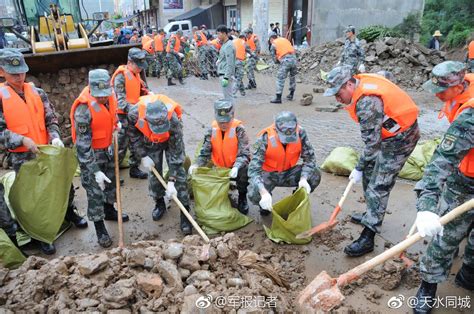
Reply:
x=260, y=21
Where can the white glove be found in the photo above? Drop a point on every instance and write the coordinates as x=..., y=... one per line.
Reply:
x=428, y=224
x=304, y=184
x=338, y=63
x=101, y=178
x=361, y=68
x=356, y=175
x=146, y=163
x=119, y=126
x=233, y=172
x=191, y=169
x=266, y=202
x=180, y=55
x=57, y=142
x=171, y=190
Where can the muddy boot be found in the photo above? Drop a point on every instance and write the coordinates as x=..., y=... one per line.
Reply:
x=291, y=95
x=363, y=245
x=425, y=297
x=159, y=210
x=46, y=248
x=180, y=79
x=112, y=214
x=465, y=277
x=102, y=234
x=249, y=86
x=357, y=218
x=73, y=217
x=276, y=100
x=253, y=83
x=243, y=205
x=157, y=74
x=204, y=77
x=185, y=225
x=170, y=82
x=137, y=173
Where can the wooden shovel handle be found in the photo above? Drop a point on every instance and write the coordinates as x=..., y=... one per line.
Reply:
x=117, y=192
x=341, y=201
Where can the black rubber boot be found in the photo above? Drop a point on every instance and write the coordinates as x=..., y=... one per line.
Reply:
x=276, y=100
x=137, y=173
x=204, y=77
x=253, y=83
x=425, y=297
x=363, y=245
x=180, y=79
x=249, y=86
x=243, y=205
x=242, y=92
x=159, y=210
x=112, y=214
x=46, y=248
x=357, y=218
x=291, y=95
x=170, y=82
x=102, y=234
x=465, y=277
x=264, y=212
x=185, y=225
x=73, y=217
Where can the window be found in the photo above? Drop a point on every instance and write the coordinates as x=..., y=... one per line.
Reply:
x=185, y=27
x=174, y=28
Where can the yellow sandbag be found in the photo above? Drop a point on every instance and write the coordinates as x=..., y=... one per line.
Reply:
x=341, y=161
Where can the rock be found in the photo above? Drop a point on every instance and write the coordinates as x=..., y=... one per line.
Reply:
x=314, y=65
x=380, y=47
x=119, y=292
x=184, y=273
x=150, y=283
x=268, y=284
x=193, y=240
x=169, y=272
x=189, y=290
x=84, y=304
x=236, y=282
x=189, y=303
x=173, y=251
x=370, y=58
x=89, y=265
x=201, y=275
x=390, y=41
x=412, y=59
x=306, y=100
x=135, y=257
x=190, y=261
x=223, y=250
x=318, y=89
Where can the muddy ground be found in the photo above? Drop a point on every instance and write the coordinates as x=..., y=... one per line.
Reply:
x=327, y=130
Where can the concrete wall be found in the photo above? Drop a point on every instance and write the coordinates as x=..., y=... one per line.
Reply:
x=167, y=14
x=246, y=13
x=330, y=17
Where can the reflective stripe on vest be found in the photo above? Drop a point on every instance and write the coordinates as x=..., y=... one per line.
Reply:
x=239, y=45
x=277, y=157
x=103, y=119
x=451, y=107
x=400, y=111
x=283, y=47
x=224, y=150
x=251, y=42
x=24, y=117
x=466, y=166
x=133, y=85
x=177, y=44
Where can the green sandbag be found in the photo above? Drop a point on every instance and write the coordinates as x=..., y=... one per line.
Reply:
x=341, y=161
x=7, y=181
x=10, y=255
x=291, y=216
x=40, y=193
x=211, y=201
x=420, y=157
x=261, y=65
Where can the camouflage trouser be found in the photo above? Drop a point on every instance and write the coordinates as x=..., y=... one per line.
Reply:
x=174, y=67
x=6, y=221
x=213, y=54
x=379, y=176
x=124, y=143
x=160, y=62
x=151, y=60
x=96, y=198
x=438, y=258
x=250, y=67
x=238, y=76
x=287, y=65
x=155, y=188
x=203, y=59
x=288, y=178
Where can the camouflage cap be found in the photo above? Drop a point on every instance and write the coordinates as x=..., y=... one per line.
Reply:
x=445, y=75
x=156, y=115
x=336, y=78
x=285, y=125
x=138, y=57
x=13, y=62
x=248, y=31
x=99, y=83
x=350, y=28
x=223, y=110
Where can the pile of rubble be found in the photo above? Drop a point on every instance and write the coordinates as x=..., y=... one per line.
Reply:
x=159, y=276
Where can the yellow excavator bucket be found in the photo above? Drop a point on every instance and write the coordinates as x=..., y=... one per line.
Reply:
x=45, y=26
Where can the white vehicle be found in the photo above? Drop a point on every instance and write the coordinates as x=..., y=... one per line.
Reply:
x=172, y=27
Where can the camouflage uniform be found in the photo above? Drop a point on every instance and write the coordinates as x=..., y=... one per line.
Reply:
x=239, y=73
x=213, y=55
x=252, y=60
x=174, y=64
x=226, y=66
x=353, y=54
x=288, y=64
x=203, y=54
x=260, y=178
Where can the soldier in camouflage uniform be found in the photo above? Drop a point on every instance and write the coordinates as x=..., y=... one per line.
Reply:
x=224, y=121
x=173, y=57
x=160, y=53
x=136, y=65
x=226, y=61
x=389, y=130
x=157, y=130
x=254, y=44
x=283, y=53
x=448, y=181
x=97, y=163
x=13, y=69
x=239, y=67
x=353, y=53
x=275, y=158
x=202, y=47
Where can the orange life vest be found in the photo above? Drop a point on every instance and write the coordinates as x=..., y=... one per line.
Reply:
x=251, y=42
x=203, y=40
x=142, y=123
x=24, y=117
x=239, y=45
x=158, y=43
x=166, y=100
x=451, y=107
x=224, y=150
x=471, y=50
x=149, y=46
x=216, y=43
x=397, y=104
x=133, y=85
x=277, y=157
x=104, y=120
x=145, y=39
x=177, y=43
x=466, y=166
x=283, y=47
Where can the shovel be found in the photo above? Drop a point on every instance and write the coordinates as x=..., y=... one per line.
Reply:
x=118, y=194
x=323, y=292
x=332, y=220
